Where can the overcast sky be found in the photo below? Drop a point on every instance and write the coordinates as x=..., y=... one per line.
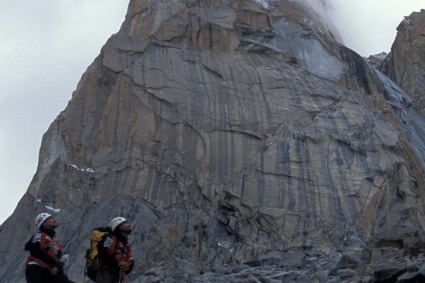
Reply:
x=47, y=45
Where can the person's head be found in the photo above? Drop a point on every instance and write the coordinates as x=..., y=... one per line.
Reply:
x=45, y=221
x=120, y=225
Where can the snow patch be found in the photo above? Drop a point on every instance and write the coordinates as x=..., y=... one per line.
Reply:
x=56, y=210
x=81, y=169
x=264, y=3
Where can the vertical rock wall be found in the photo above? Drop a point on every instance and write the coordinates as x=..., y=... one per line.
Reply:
x=225, y=131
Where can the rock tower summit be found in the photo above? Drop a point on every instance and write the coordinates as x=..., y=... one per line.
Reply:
x=238, y=137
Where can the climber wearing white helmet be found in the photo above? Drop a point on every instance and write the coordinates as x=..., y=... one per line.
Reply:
x=46, y=261
x=115, y=258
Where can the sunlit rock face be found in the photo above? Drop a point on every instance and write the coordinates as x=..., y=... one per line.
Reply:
x=227, y=132
x=405, y=64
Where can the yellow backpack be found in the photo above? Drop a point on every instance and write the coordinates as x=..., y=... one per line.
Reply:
x=92, y=265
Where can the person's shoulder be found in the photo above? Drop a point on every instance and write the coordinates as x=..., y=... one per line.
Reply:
x=108, y=240
x=37, y=235
x=112, y=236
x=46, y=236
x=109, y=235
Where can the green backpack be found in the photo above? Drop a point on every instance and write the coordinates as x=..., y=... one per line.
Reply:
x=92, y=265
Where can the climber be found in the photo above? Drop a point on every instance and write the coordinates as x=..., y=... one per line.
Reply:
x=46, y=262
x=115, y=259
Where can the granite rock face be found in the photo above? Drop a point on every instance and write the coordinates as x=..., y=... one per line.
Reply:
x=232, y=134
x=405, y=64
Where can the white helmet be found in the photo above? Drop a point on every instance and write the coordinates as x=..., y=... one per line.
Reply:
x=116, y=221
x=41, y=218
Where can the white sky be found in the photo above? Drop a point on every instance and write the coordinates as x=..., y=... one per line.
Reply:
x=369, y=26
x=47, y=45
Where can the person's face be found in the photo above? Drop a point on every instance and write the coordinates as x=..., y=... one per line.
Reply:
x=125, y=227
x=50, y=223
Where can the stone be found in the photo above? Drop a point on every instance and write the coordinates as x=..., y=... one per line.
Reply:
x=405, y=63
x=242, y=141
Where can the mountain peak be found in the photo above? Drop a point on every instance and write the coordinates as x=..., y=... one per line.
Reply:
x=234, y=135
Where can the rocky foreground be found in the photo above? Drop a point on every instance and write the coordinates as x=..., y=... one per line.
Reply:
x=379, y=265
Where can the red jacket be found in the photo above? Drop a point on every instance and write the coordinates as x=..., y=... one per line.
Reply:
x=44, y=250
x=113, y=250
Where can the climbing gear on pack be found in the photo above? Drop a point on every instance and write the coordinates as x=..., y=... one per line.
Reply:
x=92, y=265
